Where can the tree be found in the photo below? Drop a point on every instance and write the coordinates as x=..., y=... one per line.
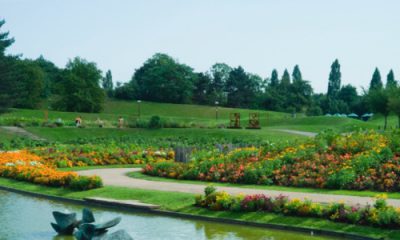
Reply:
x=348, y=94
x=285, y=81
x=241, y=88
x=7, y=84
x=390, y=80
x=334, y=79
x=80, y=88
x=5, y=41
x=394, y=103
x=274, y=81
x=107, y=84
x=219, y=76
x=126, y=91
x=201, y=90
x=162, y=79
x=376, y=82
x=51, y=76
x=296, y=74
x=378, y=99
x=29, y=78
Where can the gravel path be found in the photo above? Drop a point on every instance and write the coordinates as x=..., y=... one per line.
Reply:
x=307, y=134
x=118, y=177
x=22, y=132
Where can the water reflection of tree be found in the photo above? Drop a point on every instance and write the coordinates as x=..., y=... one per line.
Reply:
x=229, y=231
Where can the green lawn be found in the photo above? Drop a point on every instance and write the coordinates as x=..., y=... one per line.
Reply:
x=201, y=116
x=65, y=134
x=167, y=111
x=393, y=195
x=6, y=135
x=183, y=202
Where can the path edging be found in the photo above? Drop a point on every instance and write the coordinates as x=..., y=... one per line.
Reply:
x=110, y=205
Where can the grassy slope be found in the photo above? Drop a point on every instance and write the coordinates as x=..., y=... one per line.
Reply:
x=183, y=202
x=179, y=112
x=63, y=134
x=201, y=114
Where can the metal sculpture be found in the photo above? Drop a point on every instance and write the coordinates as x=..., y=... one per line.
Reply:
x=87, y=229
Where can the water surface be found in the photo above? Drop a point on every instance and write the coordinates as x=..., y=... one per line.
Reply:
x=28, y=218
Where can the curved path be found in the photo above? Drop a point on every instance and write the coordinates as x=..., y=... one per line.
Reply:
x=22, y=132
x=296, y=132
x=118, y=177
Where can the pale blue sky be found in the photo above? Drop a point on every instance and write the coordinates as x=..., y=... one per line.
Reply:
x=258, y=34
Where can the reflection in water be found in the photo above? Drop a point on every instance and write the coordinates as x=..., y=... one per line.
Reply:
x=28, y=218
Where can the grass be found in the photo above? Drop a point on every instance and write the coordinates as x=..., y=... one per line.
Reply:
x=183, y=202
x=6, y=135
x=205, y=115
x=394, y=195
x=66, y=134
x=129, y=110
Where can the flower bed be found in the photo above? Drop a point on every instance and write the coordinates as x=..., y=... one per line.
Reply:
x=359, y=161
x=28, y=167
x=380, y=214
x=101, y=154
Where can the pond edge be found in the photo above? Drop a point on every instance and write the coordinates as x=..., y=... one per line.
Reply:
x=327, y=233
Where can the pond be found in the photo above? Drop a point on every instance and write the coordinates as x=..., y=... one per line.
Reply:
x=29, y=218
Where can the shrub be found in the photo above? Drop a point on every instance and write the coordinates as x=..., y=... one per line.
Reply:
x=155, y=122
x=84, y=183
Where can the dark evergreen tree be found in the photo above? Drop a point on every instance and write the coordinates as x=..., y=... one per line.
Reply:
x=5, y=40
x=285, y=81
x=7, y=83
x=274, y=81
x=107, y=84
x=296, y=74
x=334, y=79
x=390, y=80
x=376, y=81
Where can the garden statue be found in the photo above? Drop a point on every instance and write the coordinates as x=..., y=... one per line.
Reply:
x=65, y=223
x=234, y=120
x=254, y=121
x=87, y=229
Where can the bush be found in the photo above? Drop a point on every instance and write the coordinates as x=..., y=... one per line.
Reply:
x=380, y=214
x=85, y=183
x=155, y=122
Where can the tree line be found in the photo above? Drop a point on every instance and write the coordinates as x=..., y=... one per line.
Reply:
x=80, y=86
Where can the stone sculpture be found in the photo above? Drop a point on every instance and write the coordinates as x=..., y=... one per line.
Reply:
x=87, y=229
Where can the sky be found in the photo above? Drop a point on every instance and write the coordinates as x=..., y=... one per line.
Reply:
x=258, y=35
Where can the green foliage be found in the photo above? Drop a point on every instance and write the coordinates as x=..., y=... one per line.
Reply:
x=378, y=99
x=390, y=80
x=296, y=74
x=162, y=79
x=334, y=79
x=241, y=88
x=30, y=84
x=79, y=88
x=155, y=122
x=107, y=83
x=82, y=183
x=5, y=41
x=380, y=215
x=210, y=189
x=376, y=82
